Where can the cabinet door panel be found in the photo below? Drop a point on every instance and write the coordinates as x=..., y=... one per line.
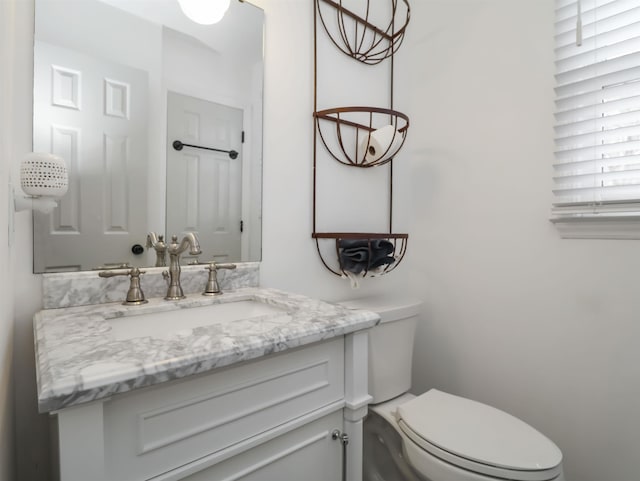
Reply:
x=304, y=454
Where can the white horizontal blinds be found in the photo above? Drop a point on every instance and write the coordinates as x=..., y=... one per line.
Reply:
x=597, y=130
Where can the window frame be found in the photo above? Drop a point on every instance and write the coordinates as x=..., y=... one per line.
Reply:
x=591, y=219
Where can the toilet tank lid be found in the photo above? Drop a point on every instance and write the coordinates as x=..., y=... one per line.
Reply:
x=478, y=432
x=389, y=308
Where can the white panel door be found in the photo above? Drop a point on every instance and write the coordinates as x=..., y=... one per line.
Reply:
x=92, y=113
x=204, y=187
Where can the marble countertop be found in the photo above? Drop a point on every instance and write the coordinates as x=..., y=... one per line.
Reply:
x=79, y=358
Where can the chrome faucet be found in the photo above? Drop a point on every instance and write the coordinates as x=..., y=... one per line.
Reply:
x=157, y=242
x=174, y=249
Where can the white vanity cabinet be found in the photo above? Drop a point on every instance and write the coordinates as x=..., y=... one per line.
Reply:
x=271, y=418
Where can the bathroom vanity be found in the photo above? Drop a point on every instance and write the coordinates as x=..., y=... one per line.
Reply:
x=256, y=384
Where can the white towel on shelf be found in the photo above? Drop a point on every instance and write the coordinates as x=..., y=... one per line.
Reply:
x=354, y=278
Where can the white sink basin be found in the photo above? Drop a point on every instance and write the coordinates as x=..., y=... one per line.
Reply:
x=169, y=323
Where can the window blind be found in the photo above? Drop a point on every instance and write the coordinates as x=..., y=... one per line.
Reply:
x=597, y=109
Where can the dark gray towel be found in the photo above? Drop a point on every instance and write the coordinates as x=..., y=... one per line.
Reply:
x=358, y=255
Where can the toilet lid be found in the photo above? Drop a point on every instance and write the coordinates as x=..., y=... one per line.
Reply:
x=478, y=437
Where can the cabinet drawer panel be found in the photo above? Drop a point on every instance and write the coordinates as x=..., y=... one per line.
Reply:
x=218, y=410
x=306, y=453
x=148, y=432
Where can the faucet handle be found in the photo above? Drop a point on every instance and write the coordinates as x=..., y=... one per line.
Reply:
x=112, y=266
x=157, y=243
x=213, y=288
x=223, y=266
x=135, y=296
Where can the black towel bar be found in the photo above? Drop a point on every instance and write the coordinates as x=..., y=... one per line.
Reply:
x=179, y=145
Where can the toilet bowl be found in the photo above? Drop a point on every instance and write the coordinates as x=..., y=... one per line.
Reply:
x=449, y=438
x=437, y=436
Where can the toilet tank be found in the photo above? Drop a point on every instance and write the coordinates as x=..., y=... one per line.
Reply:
x=390, y=344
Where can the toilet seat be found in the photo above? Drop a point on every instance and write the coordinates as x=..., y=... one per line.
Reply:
x=478, y=438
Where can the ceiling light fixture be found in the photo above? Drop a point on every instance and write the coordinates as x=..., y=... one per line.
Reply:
x=204, y=12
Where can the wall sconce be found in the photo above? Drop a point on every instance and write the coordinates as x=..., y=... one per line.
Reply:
x=44, y=179
x=204, y=12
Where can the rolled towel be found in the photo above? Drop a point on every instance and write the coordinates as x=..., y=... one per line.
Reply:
x=383, y=245
x=351, y=266
x=349, y=243
x=374, y=244
x=382, y=261
x=358, y=255
x=354, y=259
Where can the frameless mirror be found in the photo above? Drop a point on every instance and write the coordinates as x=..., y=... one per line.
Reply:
x=148, y=109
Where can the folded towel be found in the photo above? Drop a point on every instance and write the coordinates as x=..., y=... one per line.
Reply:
x=352, y=266
x=383, y=261
x=358, y=255
x=375, y=244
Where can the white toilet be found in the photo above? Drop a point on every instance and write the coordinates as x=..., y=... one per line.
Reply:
x=437, y=436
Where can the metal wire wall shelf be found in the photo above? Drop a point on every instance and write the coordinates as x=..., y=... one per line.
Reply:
x=360, y=136
x=364, y=254
x=357, y=36
x=354, y=143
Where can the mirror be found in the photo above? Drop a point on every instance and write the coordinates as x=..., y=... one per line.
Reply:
x=116, y=84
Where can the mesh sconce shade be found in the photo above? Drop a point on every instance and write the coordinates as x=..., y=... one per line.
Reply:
x=43, y=175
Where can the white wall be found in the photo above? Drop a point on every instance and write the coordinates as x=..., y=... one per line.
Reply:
x=542, y=327
x=31, y=438
x=6, y=305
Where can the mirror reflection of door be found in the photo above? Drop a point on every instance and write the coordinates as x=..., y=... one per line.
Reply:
x=92, y=113
x=198, y=178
